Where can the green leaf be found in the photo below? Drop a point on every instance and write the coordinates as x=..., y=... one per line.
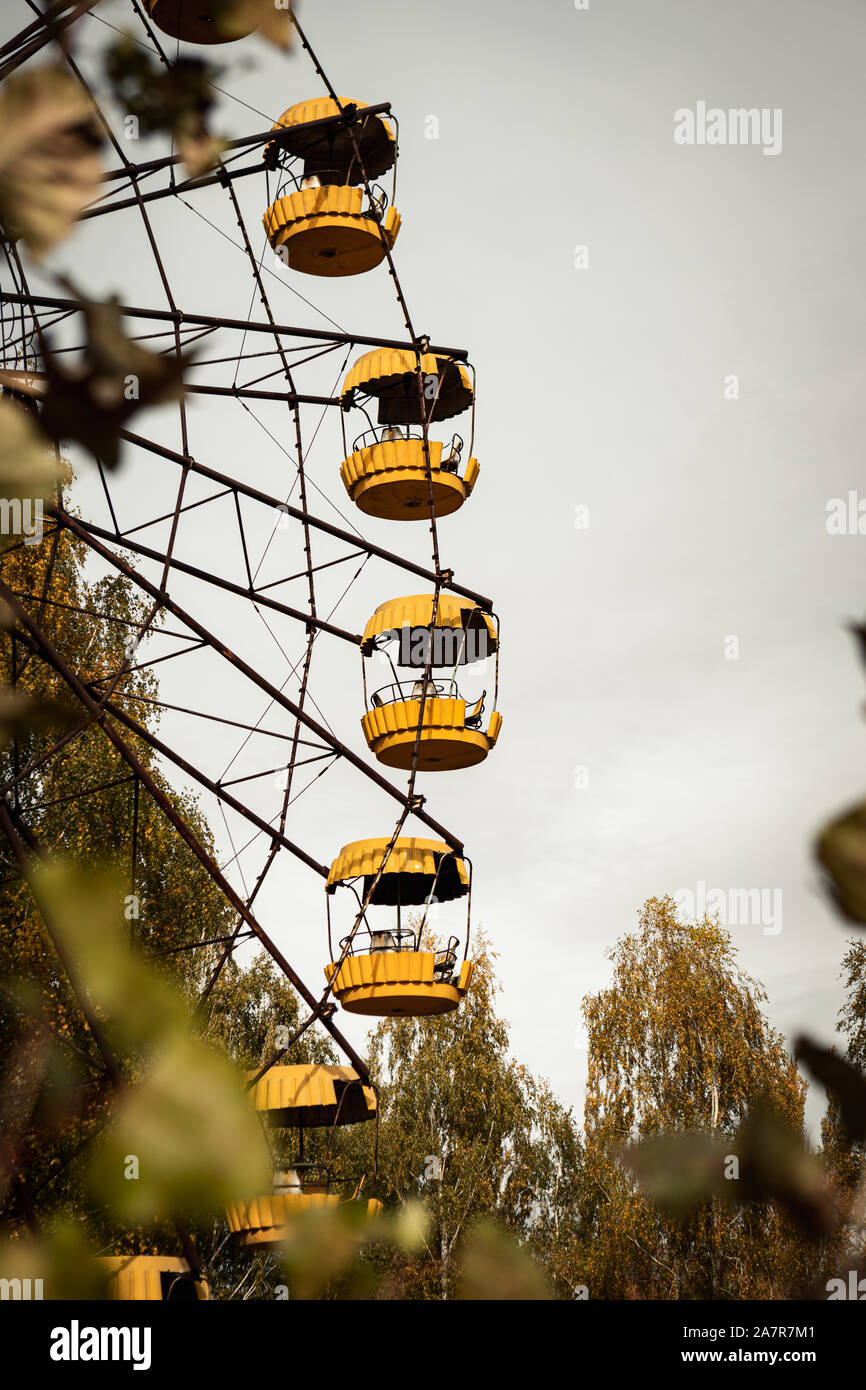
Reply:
x=678, y=1171
x=138, y=1008
x=195, y=1136
x=494, y=1267
x=60, y=1258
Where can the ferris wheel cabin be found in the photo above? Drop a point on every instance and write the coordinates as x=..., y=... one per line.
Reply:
x=152, y=1279
x=386, y=472
x=198, y=21
x=326, y=222
x=453, y=732
x=301, y=1097
x=381, y=968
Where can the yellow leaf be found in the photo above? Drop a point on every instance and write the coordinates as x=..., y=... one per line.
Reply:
x=50, y=165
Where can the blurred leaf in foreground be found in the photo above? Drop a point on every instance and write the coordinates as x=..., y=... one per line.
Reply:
x=332, y=1247
x=22, y=714
x=50, y=165
x=175, y=100
x=195, y=1139
x=138, y=1009
x=59, y=1264
x=845, y=1081
x=859, y=632
x=28, y=475
x=494, y=1266
x=322, y=1245
x=678, y=1171
x=183, y=1136
x=270, y=18
x=117, y=377
x=776, y=1165
x=841, y=850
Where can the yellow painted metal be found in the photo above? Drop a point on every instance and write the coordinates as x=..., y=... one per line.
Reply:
x=391, y=374
x=389, y=479
x=139, y=1278
x=391, y=983
x=311, y=1095
x=330, y=153
x=416, y=863
x=445, y=744
x=416, y=611
x=193, y=21
x=267, y=1220
x=325, y=231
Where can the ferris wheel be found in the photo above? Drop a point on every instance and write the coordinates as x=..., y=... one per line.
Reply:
x=326, y=170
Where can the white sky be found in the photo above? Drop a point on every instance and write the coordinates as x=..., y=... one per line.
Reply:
x=600, y=387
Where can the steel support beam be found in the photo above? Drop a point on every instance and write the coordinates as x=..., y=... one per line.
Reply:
x=193, y=570
x=191, y=839
x=323, y=734
x=318, y=335
x=351, y=538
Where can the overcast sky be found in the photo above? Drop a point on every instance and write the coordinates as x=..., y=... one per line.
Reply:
x=601, y=386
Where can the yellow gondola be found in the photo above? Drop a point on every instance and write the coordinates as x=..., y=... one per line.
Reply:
x=326, y=224
x=452, y=731
x=152, y=1278
x=264, y=1221
x=302, y=1097
x=309, y=1096
x=386, y=472
x=198, y=21
x=382, y=971
x=390, y=375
